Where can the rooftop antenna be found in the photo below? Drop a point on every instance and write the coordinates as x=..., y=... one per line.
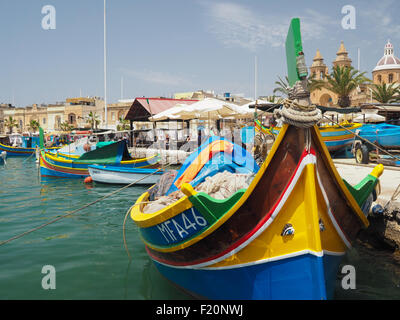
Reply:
x=122, y=87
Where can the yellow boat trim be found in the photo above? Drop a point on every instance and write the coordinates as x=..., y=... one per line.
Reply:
x=303, y=210
x=352, y=202
x=58, y=159
x=140, y=218
x=145, y=220
x=62, y=167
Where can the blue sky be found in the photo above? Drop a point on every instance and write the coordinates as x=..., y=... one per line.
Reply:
x=162, y=47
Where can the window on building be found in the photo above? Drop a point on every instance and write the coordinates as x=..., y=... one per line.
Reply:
x=20, y=124
x=112, y=116
x=321, y=75
x=72, y=118
x=44, y=121
x=379, y=78
x=390, y=78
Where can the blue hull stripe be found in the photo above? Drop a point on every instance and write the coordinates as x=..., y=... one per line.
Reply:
x=303, y=277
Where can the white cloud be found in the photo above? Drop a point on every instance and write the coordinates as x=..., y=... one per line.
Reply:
x=157, y=77
x=379, y=15
x=237, y=26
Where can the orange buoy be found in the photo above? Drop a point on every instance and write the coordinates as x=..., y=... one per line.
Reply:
x=86, y=147
x=88, y=180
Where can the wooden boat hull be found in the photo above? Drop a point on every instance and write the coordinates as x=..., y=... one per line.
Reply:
x=20, y=152
x=385, y=135
x=17, y=151
x=282, y=238
x=53, y=166
x=335, y=137
x=118, y=175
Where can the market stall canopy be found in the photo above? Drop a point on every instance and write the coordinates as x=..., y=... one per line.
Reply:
x=143, y=108
x=169, y=113
x=369, y=117
x=209, y=108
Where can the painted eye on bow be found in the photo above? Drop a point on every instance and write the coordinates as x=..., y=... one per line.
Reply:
x=288, y=230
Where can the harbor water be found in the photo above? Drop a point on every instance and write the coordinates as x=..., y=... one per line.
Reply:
x=87, y=249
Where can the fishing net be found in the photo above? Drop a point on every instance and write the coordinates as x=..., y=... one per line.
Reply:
x=220, y=186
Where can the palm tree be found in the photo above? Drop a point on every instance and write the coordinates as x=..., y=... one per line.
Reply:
x=283, y=85
x=34, y=125
x=386, y=93
x=65, y=126
x=123, y=124
x=10, y=123
x=274, y=99
x=342, y=81
x=93, y=120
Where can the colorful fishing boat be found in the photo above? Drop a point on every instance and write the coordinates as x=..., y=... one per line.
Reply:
x=334, y=136
x=115, y=154
x=27, y=147
x=283, y=237
x=383, y=134
x=122, y=175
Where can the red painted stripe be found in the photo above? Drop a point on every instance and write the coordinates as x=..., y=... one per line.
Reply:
x=51, y=167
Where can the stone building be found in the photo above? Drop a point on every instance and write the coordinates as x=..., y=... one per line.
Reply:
x=75, y=111
x=116, y=111
x=387, y=69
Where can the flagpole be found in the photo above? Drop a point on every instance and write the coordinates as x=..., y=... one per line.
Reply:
x=255, y=78
x=105, y=68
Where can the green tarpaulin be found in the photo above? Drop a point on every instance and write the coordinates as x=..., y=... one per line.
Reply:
x=108, y=154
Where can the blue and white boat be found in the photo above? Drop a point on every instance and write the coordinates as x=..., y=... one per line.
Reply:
x=121, y=175
x=383, y=134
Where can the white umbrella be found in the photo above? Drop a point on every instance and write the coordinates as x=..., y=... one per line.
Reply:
x=210, y=108
x=369, y=117
x=169, y=113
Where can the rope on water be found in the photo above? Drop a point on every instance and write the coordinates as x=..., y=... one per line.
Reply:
x=123, y=227
x=33, y=153
x=75, y=211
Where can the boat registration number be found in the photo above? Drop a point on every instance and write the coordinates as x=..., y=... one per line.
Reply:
x=182, y=226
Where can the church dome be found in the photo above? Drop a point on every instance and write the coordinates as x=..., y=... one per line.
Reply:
x=389, y=61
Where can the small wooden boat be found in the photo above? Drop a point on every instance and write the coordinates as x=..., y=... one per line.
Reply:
x=383, y=134
x=123, y=175
x=27, y=148
x=115, y=154
x=334, y=136
x=283, y=237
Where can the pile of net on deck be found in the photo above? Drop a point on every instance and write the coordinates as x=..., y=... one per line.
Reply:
x=218, y=167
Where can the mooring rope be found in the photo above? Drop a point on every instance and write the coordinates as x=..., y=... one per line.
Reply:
x=34, y=153
x=77, y=210
x=298, y=115
x=123, y=227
